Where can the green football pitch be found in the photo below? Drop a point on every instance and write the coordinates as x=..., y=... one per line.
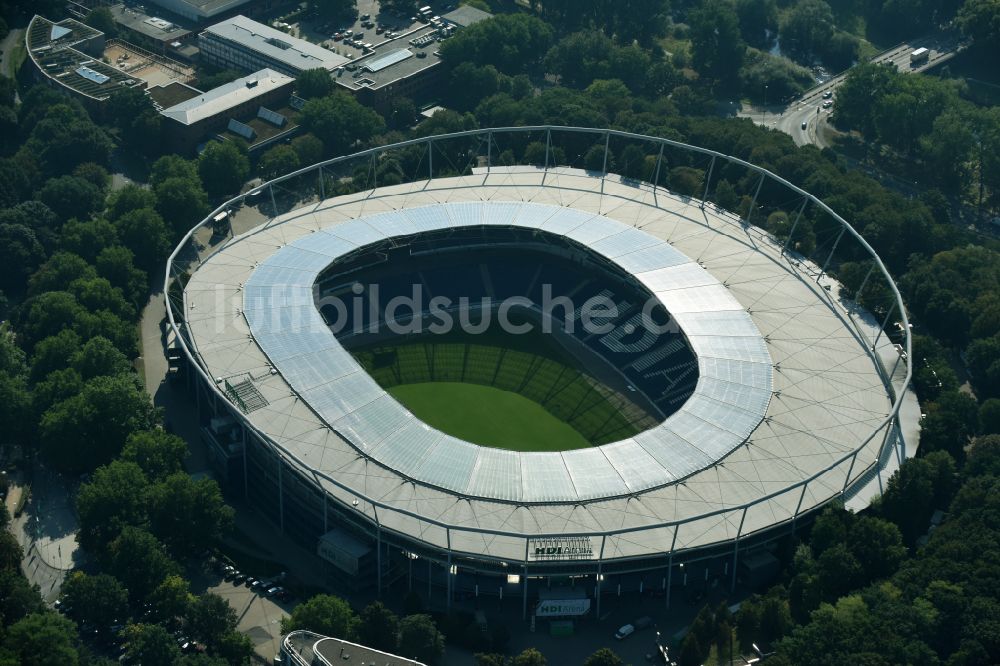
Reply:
x=488, y=416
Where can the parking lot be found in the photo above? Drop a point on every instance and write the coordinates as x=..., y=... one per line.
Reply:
x=259, y=615
x=373, y=30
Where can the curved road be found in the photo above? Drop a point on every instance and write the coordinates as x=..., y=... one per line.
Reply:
x=789, y=119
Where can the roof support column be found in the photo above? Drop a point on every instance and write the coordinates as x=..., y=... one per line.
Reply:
x=322, y=185
x=736, y=549
x=548, y=146
x=600, y=575
x=274, y=205
x=489, y=151
x=798, y=507
x=850, y=469
x=656, y=175
x=246, y=493
x=430, y=158
x=524, y=587
x=604, y=169
x=378, y=553
x=708, y=181
x=864, y=283
x=832, y=250
x=885, y=323
x=670, y=565
x=795, y=224
x=281, y=496
x=753, y=202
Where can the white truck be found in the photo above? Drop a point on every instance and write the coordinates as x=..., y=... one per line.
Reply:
x=919, y=56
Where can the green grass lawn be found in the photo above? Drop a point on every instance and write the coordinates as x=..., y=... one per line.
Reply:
x=488, y=416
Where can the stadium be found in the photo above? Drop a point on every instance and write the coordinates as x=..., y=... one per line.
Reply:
x=496, y=375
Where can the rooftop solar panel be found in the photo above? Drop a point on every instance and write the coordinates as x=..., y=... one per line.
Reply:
x=273, y=117
x=243, y=130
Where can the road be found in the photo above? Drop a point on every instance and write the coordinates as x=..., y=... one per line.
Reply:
x=7, y=47
x=804, y=119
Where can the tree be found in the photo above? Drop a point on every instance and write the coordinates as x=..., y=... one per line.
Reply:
x=102, y=19
x=98, y=600
x=188, y=514
x=40, y=639
x=313, y=83
x=64, y=137
x=378, y=627
x=71, y=196
x=144, y=231
x=129, y=198
x=340, y=121
x=151, y=645
x=758, y=21
x=980, y=20
x=140, y=561
x=419, y=639
x=278, y=161
x=402, y=8
x=920, y=486
x=158, y=453
x=530, y=657
x=20, y=255
x=210, y=618
x=807, y=28
x=180, y=198
x=99, y=358
x=323, y=614
x=170, y=601
x=525, y=41
x=18, y=597
x=91, y=427
x=88, y=238
x=223, y=167
x=335, y=9
x=116, y=264
x=114, y=498
x=716, y=46
x=989, y=417
x=308, y=148
x=604, y=657
x=691, y=652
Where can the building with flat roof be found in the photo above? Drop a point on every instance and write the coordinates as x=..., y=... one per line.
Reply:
x=190, y=121
x=155, y=33
x=304, y=648
x=200, y=10
x=245, y=44
x=67, y=56
x=407, y=66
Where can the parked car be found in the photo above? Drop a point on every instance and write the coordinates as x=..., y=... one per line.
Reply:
x=625, y=631
x=239, y=578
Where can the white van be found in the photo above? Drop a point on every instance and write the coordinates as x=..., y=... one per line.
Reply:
x=625, y=631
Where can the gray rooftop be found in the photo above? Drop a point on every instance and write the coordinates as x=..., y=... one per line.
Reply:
x=151, y=26
x=296, y=53
x=386, y=64
x=227, y=96
x=202, y=8
x=466, y=15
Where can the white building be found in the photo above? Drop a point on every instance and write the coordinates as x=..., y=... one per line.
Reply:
x=245, y=44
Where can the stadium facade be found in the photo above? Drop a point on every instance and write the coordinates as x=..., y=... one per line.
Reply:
x=786, y=393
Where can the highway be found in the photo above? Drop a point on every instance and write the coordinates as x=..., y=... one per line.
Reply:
x=808, y=108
